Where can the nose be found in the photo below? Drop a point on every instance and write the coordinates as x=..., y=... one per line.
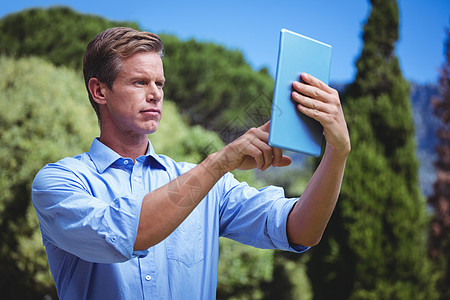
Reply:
x=154, y=93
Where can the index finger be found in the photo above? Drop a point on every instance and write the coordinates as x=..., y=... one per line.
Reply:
x=277, y=156
x=265, y=127
x=311, y=80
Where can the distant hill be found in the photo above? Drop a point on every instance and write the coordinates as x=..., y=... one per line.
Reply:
x=426, y=125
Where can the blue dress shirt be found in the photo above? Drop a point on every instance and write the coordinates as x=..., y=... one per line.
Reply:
x=88, y=208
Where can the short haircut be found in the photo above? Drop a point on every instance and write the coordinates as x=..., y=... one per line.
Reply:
x=104, y=54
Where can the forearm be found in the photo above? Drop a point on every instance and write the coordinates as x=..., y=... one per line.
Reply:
x=309, y=217
x=166, y=207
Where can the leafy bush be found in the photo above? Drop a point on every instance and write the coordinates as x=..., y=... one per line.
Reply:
x=43, y=117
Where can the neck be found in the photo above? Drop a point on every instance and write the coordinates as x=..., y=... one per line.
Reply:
x=125, y=145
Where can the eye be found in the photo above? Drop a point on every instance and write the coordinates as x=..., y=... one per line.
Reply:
x=141, y=82
x=160, y=84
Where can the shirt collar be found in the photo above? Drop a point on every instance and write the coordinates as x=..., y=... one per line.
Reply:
x=103, y=156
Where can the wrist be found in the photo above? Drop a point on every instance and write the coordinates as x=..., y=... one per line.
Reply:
x=214, y=166
x=341, y=153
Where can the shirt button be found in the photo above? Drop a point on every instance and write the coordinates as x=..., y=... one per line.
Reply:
x=125, y=162
x=148, y=277
x=136, y=178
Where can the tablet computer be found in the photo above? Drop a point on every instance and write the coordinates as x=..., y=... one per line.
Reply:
x=289, y=128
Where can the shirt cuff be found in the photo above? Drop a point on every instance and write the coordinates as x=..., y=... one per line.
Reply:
x=298, y=248
x=278, y=223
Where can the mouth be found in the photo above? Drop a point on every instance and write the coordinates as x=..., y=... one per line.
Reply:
x=151, y=112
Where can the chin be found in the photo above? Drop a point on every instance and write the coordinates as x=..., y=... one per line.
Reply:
x=152, y=129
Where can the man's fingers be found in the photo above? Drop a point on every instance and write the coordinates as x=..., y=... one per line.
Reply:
x=285, y=161
x=313, y=81
x=313, y=113
x=265, y=151
x=271, y=156
x=309, y=96
x=252, y=150
x=313, y=93
x=265, y=127
x=277, y=156
x=308, y=102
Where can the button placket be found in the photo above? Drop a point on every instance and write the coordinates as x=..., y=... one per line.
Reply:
x=147, y=272
x=136, y=178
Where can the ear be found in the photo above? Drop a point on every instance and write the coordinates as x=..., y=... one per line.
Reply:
x=97, y=90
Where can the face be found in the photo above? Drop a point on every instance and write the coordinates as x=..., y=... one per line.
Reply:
x=134, y=104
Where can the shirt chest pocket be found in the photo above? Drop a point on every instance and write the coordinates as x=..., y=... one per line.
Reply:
x=186, y=244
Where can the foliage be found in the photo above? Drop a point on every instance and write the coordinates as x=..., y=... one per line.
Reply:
x=57, y=34
x=42, y=119
x=238, y=279
x=374, y=247
x=439, y=248
x=290, y=280
x=280, y=275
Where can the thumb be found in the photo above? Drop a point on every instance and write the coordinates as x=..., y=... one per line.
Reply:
x=285, y=161
x=265, y=127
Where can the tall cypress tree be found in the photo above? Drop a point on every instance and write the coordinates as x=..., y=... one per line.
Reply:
x=375, y=245
x=440, y=200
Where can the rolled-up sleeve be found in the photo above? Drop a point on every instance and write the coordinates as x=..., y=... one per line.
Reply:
x=256, y=217
x=74, y=220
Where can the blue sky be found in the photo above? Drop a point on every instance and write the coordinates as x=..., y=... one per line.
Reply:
x=253, y=27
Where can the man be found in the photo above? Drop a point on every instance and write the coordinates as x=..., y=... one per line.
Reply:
x=121, y=222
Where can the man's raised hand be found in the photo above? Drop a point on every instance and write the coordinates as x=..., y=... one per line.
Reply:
x=250, y=151
x=321, y=102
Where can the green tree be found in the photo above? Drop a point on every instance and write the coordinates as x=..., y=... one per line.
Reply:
x=243, y=270
x=439, y=247
x=58, y=34
x=375, y=244
x=43, y=117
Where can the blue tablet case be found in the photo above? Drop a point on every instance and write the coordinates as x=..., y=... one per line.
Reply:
x=289, y=128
